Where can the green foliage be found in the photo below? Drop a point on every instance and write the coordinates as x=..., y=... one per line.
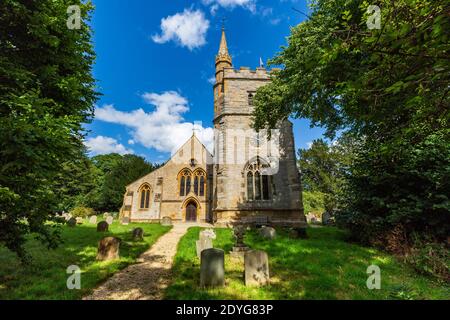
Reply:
x=46, y=93
x=112, y=173
x=313, y=201
x=82, y=212
x=45, y=278
x=431, y=259
x=330, y=268
x=389, y=88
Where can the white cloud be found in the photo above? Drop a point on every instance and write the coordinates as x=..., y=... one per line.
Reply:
x=309, y=145
x=163, y=129
x=131, y=142
x=104, y=145
x=230, y=4
x=212, y=80
x=187, y=29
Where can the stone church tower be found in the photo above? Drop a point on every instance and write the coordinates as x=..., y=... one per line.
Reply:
x=254, y=179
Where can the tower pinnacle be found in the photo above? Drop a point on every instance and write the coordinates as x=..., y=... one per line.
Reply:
x=223, y=55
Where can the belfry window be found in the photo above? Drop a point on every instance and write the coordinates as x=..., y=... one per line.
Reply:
x=145, y=197
x=250, y=99
x=258, y=183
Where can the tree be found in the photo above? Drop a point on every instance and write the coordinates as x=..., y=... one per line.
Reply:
x=46, y=93
x=388, y=87
x=114, y=173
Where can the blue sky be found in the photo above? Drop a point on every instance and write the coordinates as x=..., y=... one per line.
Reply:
x=155, y=60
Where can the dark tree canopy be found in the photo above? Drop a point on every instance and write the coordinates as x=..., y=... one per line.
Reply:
x=388, y=87
x=46, y=93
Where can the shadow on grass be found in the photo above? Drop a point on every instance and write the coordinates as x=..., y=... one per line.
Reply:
x=46, y=277
x=321, y=267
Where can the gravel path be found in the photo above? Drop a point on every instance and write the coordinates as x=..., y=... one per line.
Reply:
x=147, y=279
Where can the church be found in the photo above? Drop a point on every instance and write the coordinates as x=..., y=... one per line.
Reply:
x=250, y=177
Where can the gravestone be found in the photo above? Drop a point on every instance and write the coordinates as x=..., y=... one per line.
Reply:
x=72, y=222
x=239, y=247
x=125, y=221
x=106, y=214
x=68, y=216
x=138, y=234
x=267, y=233
x=203, y=244
x=79, y=220
x=102, y=226
x=256, y=264
x=208, y=233
x=109, y=220
x=93, y=219
x=108, y=249
x=212, y=268
x=298, y=233
x=166, y=221
x=326, y=217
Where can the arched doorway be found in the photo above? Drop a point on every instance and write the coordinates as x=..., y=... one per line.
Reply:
x=191, y=212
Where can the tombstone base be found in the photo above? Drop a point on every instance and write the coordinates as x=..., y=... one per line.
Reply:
x=239, y=252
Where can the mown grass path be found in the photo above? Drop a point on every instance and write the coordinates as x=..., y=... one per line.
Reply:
x=324, y=266
x=147, y=279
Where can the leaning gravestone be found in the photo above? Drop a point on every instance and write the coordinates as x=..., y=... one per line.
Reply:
x=125, y=221
x=102, y=226
x=109, y=220
x=267, y=233
x=212, y=268
x=138, y=234
x=256, y=268
x=93, y=219
x=72, y=222
x=68, y=216
x=166, y=221
x=108, y=249
x=203, y=244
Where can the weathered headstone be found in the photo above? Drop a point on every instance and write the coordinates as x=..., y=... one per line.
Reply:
x=68, y=216
x=102, y=226
x=267, y=233
x=108, y=249
x=166, y=221
x=208, y=233
x=93, y=219
x=326, y=217
x=256, y=264
x=79, y=220
x=109, y=220
x=239, y=247
x=72, y=222
x=106, y=214
x=212, y=268
x=138, y=234
x=298, y=233
x=203, y=244
x=125, y=221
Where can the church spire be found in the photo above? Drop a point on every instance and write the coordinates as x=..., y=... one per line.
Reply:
x=223, y=55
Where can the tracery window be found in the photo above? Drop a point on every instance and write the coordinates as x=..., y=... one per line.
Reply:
x=185, y=182
x=144, y=195
x=199, y=182
x=258, y=183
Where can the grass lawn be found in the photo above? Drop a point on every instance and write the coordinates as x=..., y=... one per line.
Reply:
x=321, y=267
x=46, y=277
